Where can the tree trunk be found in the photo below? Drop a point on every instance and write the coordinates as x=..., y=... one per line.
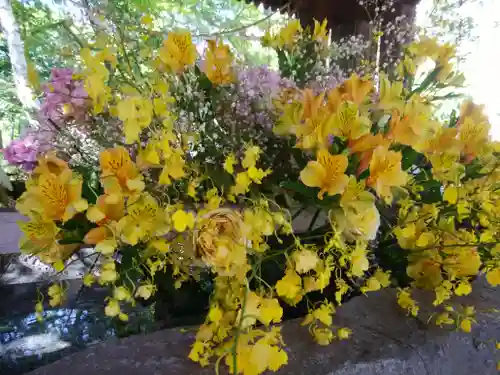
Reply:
x=15, y=44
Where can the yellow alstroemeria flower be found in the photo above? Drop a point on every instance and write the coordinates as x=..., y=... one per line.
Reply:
x=218, y=63
x=385, y=172
x=40, y=238
x=313, y=133
x=104, y=214
x=473, y=111
x=178, y=51
x=144, y=218
x=290, y=119
x=354, y=90
x=289, y=34
x=473, y=137
x=326, y=173
x=320, y=32
x=50, y=163
x=414, y=126
x=443, y=141
x=364, y=147
x=348, y=123
x=311, y=104
x=55, y=197
x=358, y=217
x=391, y=95
x=119, y=175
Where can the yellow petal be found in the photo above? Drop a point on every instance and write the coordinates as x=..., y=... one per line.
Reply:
x=95, y=215
x=313, y=174
x=451, y=194
x=135, y=185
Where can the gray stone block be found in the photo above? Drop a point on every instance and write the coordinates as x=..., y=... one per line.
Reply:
x=385, y=342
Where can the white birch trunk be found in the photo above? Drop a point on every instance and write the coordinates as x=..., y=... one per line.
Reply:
x=15, y=45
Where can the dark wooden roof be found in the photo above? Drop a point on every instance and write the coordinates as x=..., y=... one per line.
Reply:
x=338, y=12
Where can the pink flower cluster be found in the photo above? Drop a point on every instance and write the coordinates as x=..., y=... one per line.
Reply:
x=65, y=98
x=23, y=152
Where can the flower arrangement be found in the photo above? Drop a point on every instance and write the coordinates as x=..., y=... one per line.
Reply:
x=211, y=166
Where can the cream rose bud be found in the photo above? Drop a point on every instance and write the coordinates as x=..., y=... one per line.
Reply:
x=218, y=236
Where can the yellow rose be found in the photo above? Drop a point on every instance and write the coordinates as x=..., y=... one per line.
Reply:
x=218, y=240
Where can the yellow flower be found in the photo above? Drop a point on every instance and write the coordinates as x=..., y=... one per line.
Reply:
x=178, y=51
x=327, y=173
x=121, y=293
x=473, y=137
x=289, y=34
x=474, y=112
x=218, y=63
x=243, y=182
x=390, y=97
x=219, y=240
x=229, y=163
x=407, y=302
x=464, y=288
x=174, y=167
x=270, y=311
x=364, y=147
x=104, y=212
x=314, y=131
x=385, y=172
x=289, y=286
x=252, y=155
x=426, y=272
x=344, y=333
x=119, y=175
x=359, y=261
x=356, y=89
x=358, y=217
x=466, y=325
x=451, y=194
x=40, y=238
x=493, y=276
x=108, y=273
x=182, y=220
x=320, y=33
x=415, y=126
x=143, y=220
x=290, y=118
x=349, y=124
x=112, y=309
x=323, y=336
x=56, y=295
x=305, y=260
x=50, y=163
x=57, y=197
x=444, y=140
x=136, y=114
x=311, y=104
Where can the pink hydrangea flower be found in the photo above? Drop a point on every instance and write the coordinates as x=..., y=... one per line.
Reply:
x=65, y=97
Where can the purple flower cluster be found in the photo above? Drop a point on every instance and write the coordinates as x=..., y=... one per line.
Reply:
x=255, y=91
x=23, y=152
x=65, y=98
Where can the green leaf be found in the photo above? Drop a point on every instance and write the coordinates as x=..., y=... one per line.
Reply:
x=431, y=191
x=410, y=157
x=431, y=77
x=300, y=188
